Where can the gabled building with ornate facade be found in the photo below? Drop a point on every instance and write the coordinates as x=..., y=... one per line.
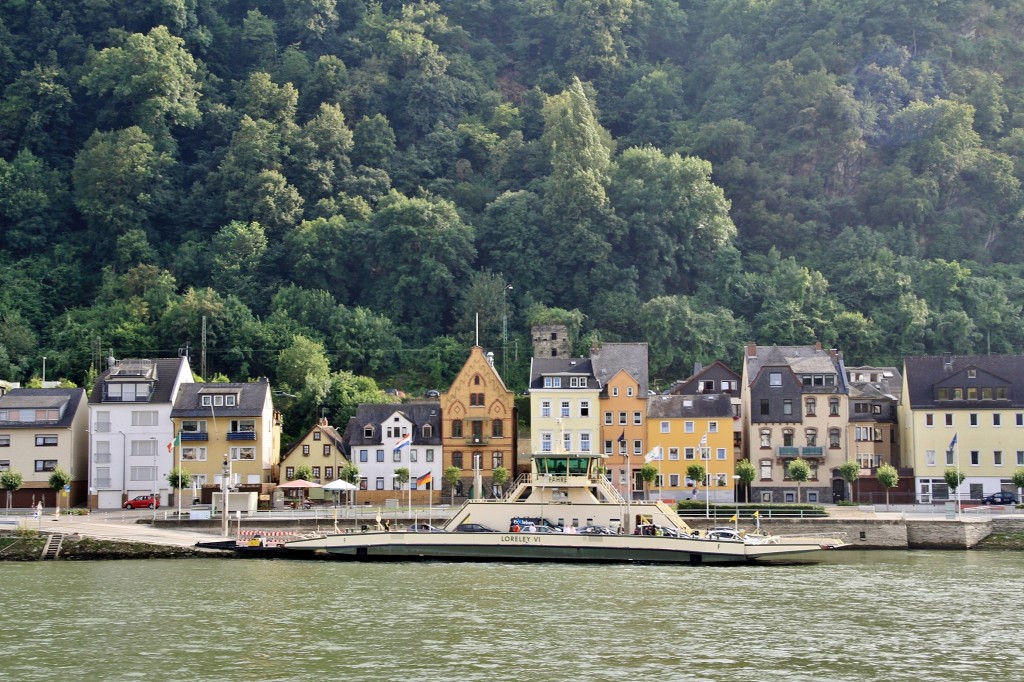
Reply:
x=480, y=423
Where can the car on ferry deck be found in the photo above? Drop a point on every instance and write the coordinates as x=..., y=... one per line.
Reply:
x=473, y=528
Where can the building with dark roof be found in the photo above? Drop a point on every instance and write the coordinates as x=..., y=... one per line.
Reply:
x=963, y=412
x=235, y=422
x=130, y=428
x=688, y=430
x=795, y=405
x=381, y=438
x=42, y=430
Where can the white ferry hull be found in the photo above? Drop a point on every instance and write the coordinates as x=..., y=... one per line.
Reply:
x=558, y=547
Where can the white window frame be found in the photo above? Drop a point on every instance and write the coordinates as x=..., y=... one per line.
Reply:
x=191, y=453
x=243, y=453
x=545, y=409
x=145, y=417
x=666, y=427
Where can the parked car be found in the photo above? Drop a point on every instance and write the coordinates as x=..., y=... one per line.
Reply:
x=424, y=528
x=143, y=502
x=1000, y=498
x=595, y=530
x=473, y=528
x=530, y=528
x=724, y=534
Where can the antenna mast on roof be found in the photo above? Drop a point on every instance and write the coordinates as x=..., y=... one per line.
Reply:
x=203, y=360
x=477, y=329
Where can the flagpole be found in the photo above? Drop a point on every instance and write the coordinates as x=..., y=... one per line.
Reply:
x=956, y=459
x=179, y=475
x=629, y=480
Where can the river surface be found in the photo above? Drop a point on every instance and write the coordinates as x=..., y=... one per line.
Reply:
x=918, y=615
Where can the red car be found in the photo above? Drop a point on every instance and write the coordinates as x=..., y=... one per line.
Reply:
x=143, y=501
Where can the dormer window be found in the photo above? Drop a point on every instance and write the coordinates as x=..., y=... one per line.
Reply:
x=476, y=380
x=367, y=432
x=206, y=400
x=972, y=374
x=775, y=378
x=428, y=431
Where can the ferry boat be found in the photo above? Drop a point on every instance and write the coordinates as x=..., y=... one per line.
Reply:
x=564, y=492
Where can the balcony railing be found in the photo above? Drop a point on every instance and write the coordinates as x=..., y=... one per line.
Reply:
x=194, y=435
x=477, y=440
x=788, y=451
x=812, y=451
x=241, y=435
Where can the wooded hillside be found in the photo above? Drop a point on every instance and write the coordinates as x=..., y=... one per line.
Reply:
x=340, y=186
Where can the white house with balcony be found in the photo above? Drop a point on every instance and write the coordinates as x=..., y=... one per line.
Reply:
x=130, y=429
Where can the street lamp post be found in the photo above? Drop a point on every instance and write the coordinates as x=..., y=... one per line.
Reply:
x=156, y=472
x=735, y=497
x=504, y=327
x=225, y=484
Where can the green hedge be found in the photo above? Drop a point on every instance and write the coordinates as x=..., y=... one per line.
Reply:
x=747, y=510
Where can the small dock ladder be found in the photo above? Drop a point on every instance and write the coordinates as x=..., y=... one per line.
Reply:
x=52, y=548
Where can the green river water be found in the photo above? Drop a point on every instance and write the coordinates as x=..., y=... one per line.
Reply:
x=922, y=615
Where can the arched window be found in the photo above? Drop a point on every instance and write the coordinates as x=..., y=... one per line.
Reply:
x=812, y=406
x=428, y=431
x=766, y=438
x=787, y=438
x=812, y=437
x=833, y=438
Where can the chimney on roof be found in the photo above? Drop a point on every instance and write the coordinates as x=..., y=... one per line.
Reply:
x=751, y=350
x=697, y=367
x=490, y=358
x=947, y=362
x=322, y=421
x=817, y=345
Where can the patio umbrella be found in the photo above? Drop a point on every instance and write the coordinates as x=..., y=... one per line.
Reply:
x=299, y=484
x=339, y=485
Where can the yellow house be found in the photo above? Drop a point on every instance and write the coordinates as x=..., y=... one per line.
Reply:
x=684, y=430
x=227, y=423
x=564, y=402
x=479, y=422
x=621, y=370
x=321, y=449
x=966, y=413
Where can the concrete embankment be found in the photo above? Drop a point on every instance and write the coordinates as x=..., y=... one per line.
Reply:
x=899, y=533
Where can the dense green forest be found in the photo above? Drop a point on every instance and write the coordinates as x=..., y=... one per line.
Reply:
x=339, y=187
